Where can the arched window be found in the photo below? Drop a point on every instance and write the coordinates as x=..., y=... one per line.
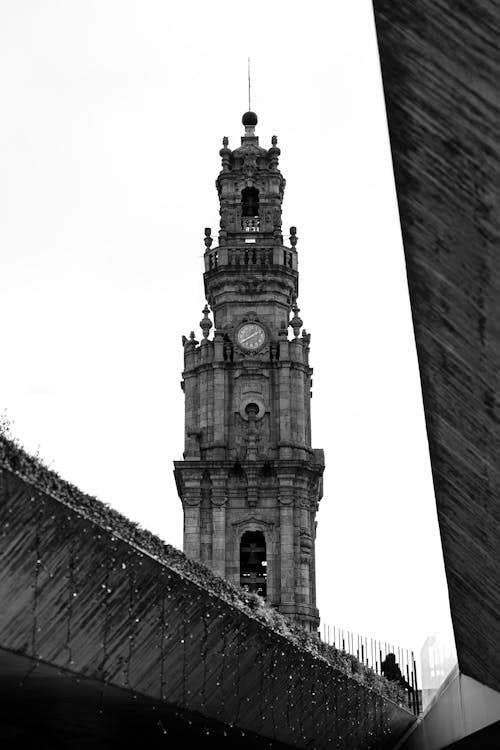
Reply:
x=253, y=563
x=250, y=202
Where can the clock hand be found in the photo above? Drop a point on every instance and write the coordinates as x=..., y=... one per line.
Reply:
x=255, y=333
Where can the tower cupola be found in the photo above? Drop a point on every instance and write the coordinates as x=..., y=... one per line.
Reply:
x=250, y=187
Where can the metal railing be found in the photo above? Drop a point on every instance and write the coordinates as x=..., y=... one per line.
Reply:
x=395, y=663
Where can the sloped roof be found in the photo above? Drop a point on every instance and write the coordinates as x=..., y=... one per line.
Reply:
x=89, y=595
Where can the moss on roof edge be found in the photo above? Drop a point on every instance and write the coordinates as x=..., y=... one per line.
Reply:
x=32, y=470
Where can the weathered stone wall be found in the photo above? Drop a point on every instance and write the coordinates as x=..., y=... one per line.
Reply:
x=277, y=498
x=261, y=474
x=219, y=381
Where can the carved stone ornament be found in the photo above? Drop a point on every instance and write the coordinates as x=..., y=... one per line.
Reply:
x=192, y=500
x=252, y=399
x=219, y=499
x=253, y=524
x=305, y=541
x=249, y=165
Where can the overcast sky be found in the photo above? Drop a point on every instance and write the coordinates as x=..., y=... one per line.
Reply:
x=113, y=117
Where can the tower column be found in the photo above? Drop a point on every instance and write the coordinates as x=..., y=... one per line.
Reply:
x=219, y=412
x=312, y=566
x=305, y=554
x=189, y=488
x=284, y=408
x=305, y=540
x=219, y=526
x=191, y=502
x=286, y=547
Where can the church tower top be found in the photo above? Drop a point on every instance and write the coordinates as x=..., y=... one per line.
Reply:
x=250, y=188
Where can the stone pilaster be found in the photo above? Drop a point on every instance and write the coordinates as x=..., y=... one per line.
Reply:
x=219, y=407
x=305, y=541
x=191, y=502
x=284, y=410
x=287, y=565
x=219, y=499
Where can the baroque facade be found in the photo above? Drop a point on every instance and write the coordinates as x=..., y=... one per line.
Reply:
x=250, y=483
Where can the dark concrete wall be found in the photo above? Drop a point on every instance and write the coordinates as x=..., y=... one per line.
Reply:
x=441, y=71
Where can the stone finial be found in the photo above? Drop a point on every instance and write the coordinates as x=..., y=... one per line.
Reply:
x=249, y=120
x=225, y=153
x=296, y=322
x=208, y=239
x=273, y=153
x=206, y=323
x=293, y=236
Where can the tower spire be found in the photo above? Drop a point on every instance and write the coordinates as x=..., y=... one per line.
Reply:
x=249, y=89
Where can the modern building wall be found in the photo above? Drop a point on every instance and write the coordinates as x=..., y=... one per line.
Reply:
x=462, y=707
x=440, y=65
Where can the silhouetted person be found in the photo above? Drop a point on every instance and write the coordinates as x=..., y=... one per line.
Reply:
x=391, y=670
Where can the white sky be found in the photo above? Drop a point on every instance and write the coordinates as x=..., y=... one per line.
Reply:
x=113, y=116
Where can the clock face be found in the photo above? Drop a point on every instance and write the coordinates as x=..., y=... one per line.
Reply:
x=251, y=336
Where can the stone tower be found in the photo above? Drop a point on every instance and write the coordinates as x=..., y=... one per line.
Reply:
x=250, y=483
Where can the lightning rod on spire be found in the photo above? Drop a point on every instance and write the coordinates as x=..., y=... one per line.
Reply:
x=249, y=107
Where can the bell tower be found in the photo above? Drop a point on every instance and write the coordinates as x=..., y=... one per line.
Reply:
x=250, y=483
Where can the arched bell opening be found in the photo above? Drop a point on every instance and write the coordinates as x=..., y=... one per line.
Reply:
x=250, y=201
x=250, y=221
x=253, y=563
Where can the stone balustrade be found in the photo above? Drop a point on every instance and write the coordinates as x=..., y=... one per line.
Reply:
x=251, y=256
